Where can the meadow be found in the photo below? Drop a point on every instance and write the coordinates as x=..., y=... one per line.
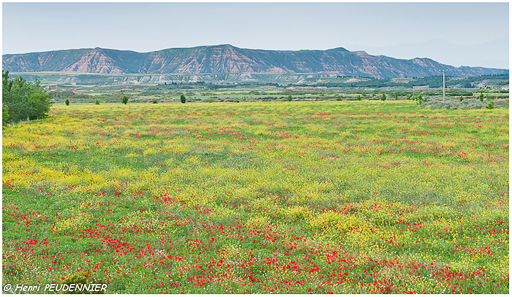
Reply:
x=259, y=197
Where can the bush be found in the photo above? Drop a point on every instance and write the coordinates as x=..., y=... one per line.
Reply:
x=461, y=98
x=124, y=100
x=82, y=278
x=183, y=99
x=67, y=102
x=490, y=105
x=419, y=100
x=383, y=97
x=290, y=98
x=97, y=102
x=358, y=97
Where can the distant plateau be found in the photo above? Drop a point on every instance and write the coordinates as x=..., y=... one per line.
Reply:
x=226, y=58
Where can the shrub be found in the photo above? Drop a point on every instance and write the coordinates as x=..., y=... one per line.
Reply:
x=97, y=102
x=409, y=97
x=358, y=97
x=461, y=98
x=383, y=97
x=419, y=99
x=183, y=99
x=82, y=278
x=124, y=100
x=481, y=96
x=490, y=105
x=154, y=101
x=67, y=102
x=290, y=98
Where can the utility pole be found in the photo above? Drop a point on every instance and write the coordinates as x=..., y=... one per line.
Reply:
x=444, y=97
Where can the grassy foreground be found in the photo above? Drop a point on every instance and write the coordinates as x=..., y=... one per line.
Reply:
x=283, y=197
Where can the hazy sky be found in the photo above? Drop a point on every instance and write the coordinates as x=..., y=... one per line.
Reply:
x=142, y=27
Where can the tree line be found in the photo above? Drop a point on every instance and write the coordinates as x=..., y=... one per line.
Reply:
x=431, y=81
x=22, y=100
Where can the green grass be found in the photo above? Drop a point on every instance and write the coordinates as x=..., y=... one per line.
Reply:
x=263, y=197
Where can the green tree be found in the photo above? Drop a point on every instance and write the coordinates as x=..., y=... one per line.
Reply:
x=124, y=100
x=290, y=98
x=461, y=98
x=15, y=94
x=97, y=102
x=481, y=96
x=5, y=115
x=23, y=100
x=490, y=105
x=338, y=97
x=67, y=102
x=383, y=97
x=358, y=97
x=40, y=104
x=183, y=99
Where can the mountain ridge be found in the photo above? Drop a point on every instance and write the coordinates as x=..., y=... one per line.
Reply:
x=226, y=58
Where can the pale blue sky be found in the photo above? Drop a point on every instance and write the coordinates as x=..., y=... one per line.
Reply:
x=393, y=29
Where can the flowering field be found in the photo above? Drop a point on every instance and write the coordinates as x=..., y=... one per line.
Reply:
x=283, y=197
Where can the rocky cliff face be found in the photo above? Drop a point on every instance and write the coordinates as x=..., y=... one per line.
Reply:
x=95, y=62
x=230, y=59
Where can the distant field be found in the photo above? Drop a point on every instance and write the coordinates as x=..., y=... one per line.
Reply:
x=260, y=197
x=87, y=79
x=298, y=80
